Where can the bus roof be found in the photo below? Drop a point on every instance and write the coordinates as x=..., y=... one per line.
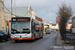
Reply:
x=28, y=17
x=21, y=17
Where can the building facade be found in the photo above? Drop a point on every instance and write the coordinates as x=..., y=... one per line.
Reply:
x=51, y=26
x=7, y=16
x=73, y=22
x=2, y=19
x=57, y=19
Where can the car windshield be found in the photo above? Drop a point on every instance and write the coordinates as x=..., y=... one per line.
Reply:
x=0, y=32
x=21, y=27
x=47, y=30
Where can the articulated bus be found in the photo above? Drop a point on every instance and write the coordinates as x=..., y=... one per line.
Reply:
x=26, y=28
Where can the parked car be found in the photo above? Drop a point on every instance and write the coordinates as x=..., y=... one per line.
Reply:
x=51, y=30
x=3, y=35
x=47, y=31
x=54, y=30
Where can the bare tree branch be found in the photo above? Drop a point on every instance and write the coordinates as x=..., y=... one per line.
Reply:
x=64, y=13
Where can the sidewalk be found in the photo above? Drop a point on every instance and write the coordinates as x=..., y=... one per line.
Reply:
x=60, y=44
x=58, y=40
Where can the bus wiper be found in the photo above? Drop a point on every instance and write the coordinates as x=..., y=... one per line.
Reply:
x=16, y=30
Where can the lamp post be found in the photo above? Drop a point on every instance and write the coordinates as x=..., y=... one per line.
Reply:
x=11, y=8
x=15, y=6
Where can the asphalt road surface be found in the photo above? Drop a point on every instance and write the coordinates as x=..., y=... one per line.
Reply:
x=44, y=43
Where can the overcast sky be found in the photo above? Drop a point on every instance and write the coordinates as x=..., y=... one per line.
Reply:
x=46, y=9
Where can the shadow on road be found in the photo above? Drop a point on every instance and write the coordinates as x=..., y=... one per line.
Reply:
x=3, y=41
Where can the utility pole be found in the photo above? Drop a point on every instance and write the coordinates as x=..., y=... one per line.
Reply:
x=15, y=6
x=11, y=8
x=11, y=17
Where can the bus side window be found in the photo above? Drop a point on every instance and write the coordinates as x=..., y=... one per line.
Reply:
x=37, y=27
x=32, y=27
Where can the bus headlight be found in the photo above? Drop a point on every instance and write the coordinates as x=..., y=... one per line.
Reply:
x=29, y=35
x=12, y=36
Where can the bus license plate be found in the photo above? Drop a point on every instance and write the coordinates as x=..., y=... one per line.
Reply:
x=20, y=38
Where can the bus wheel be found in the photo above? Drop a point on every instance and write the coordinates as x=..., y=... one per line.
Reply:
x=0, y=40
x=42, y=36
x=16, y=40
x=39, y=36
x=33, y=38
x=6, y=38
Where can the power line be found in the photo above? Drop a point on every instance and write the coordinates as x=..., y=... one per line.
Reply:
x=12, y=13
x=30, y=13
x=26, y=13
x=6, y=7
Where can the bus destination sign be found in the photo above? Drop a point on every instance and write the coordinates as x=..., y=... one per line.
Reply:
x=22, y=19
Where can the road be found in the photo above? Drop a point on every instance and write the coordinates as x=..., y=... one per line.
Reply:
x=40, y=44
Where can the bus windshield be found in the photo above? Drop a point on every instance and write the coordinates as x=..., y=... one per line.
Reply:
x=21, y=27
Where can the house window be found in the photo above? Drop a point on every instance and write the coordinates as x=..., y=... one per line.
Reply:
x=2, y=28
x=2, y=5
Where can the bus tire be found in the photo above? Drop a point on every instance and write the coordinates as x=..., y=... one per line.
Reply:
x=6, y=38
x=33, y=38
x=42, y=36
x=39, y=36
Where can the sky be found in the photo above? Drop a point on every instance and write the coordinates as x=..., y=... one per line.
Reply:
x=46, y=9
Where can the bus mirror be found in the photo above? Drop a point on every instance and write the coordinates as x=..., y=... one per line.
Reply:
x=8, y=22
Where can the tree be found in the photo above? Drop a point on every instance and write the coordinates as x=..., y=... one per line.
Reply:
x=64, y=13
x=46, y=29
